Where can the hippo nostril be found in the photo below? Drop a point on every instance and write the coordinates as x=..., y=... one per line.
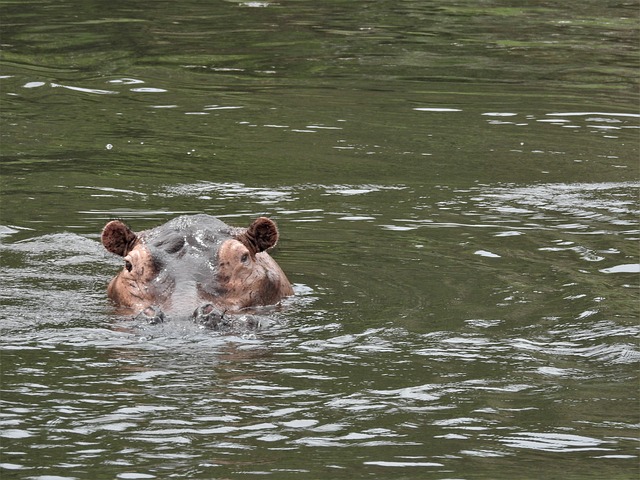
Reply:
x=128, y=266
x=209, y=316
x=152, y=315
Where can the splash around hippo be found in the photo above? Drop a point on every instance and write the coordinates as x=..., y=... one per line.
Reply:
x=195, y=262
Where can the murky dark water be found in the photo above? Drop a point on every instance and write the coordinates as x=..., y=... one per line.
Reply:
x=456, y=187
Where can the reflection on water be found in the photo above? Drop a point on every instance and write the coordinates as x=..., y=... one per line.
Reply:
x=457, y=193
x=508, y=369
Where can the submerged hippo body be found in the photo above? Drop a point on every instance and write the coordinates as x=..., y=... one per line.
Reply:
x=195, y=262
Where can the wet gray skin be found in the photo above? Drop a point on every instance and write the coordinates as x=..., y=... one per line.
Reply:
x=195, y=264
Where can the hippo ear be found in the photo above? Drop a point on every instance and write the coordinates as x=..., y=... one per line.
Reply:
x=261, y=235
x=118, y=238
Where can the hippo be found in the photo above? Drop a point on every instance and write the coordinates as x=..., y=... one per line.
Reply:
x=195, y=263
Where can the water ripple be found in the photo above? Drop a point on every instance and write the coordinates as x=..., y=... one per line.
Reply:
x=554, y=442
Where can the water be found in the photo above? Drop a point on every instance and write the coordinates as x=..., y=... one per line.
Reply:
x=457, y=192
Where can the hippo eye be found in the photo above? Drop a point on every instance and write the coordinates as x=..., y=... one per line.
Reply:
x=128, y=266
x=244, y=258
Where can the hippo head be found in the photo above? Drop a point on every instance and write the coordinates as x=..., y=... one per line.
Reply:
x=196, y=260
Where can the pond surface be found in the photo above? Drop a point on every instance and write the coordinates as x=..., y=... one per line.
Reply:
x=456, y=188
